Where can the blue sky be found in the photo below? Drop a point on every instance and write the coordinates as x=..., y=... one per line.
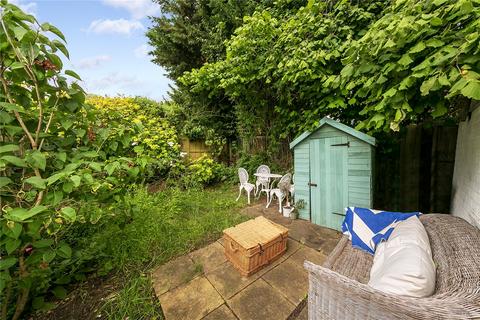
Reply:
x=107, y=43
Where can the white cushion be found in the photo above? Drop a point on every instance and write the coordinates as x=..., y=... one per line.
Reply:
x=403, y=265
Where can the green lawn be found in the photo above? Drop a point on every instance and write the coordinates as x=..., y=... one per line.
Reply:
x=161, y=226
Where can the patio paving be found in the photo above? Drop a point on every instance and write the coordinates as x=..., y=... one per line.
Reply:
x=204, y=285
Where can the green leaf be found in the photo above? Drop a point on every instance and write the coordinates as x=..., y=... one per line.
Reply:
x=12, y=244
x=347, y=71
x=62, y=156
x=472, y=90
x=390, y=93
x=73, y=74
x=69, y=214
x=88, y=177
x=443, y=80
x=405, y=60
x=67, y=187
x=49, y=255
x=60, y=46
x=12, y=107
x=436, y=21
x=55, y=177
x=16, y=65
x=418, y=47
x=96, y=166
x=5, y=118
x=19, y=32
x=14, y=230
x=64, y=251
x=4, y=181
x=7, y=263
x=60, y=292
x=18, y=13
x=457, y=87
x=16, y=161
x=48, y=27
x=434, y=43
x=399, y=115
x=427, y=85
x=389, y=44
x=37, y=182
x=21, y=214
x=76, y=180
x=37, y=160
x=66, y=123
x=439, y=110
x=43, y=243
x=9, y=148
x=57, y=197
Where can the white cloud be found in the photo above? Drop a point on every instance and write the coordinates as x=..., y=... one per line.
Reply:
x=138, y=8
x=120, y=26
x=114, y=80
x=28, y=7
x=93, y=62
x=142, y=51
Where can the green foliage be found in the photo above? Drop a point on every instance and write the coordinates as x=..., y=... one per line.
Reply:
x=200, y=173
x=158, y=227
x=190, y=33
x=58, y=164
x=413, y=61
x=277, y=63
x=137, y=128
x=376, y=64
x=136, y=300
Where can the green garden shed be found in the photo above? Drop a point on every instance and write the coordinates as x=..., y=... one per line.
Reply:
x=333, y=167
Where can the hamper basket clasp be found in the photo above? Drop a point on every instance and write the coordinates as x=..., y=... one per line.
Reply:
x=261, y=248
x=234, y=249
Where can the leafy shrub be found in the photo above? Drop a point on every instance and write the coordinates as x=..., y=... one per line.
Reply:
x=63, y=167
x=136, y=127
x=202, y=172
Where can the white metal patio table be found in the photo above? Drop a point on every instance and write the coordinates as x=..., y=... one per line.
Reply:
x=272, y=177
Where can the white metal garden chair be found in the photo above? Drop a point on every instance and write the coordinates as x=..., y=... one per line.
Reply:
x=244, y=184
x=278, y=192
x=262, y=184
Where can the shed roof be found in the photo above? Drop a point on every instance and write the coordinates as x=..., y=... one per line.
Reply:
x=337, y=125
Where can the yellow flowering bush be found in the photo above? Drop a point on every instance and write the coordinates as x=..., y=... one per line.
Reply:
x=202, y=172
x=136, y=127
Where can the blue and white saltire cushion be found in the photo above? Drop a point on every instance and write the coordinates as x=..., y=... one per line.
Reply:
x=367, y=227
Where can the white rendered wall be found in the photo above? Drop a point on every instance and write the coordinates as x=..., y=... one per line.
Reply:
x=466, y=176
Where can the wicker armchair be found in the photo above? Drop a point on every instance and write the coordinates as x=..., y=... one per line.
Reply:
x=339, y=290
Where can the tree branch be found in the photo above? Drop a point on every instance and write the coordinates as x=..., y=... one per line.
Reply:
x=18, y=116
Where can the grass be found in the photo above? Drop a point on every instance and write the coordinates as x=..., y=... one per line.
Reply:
x=163, y=225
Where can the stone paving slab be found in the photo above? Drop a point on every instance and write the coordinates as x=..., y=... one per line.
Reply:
x=221, y=313
x=222, y=293
x=306, y=253
x=292, y=247
x=210, y=257
x=228, y=281
x=192, y=301
x=290, y=279
x=260, y=301
x=174, y=273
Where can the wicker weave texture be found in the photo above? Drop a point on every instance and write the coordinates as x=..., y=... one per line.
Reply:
x=254, y=244
x=338, y=290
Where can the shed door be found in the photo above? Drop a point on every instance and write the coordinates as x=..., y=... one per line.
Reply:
x=328, y=180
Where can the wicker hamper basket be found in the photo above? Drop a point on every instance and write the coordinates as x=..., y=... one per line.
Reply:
x=255, y=243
